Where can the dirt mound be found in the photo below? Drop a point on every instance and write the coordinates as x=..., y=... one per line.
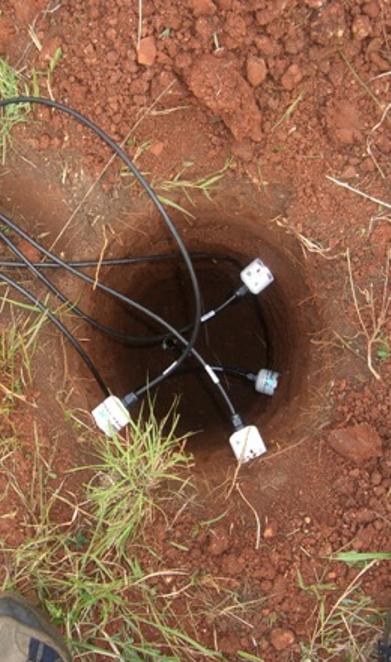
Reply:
x=219, y=85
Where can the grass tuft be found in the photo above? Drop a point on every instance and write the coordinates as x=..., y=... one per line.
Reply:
x=349, y=629
x=10, y=86
x=92, y=572
x=128, y=473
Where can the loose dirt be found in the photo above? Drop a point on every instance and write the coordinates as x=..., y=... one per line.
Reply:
x=290, y=92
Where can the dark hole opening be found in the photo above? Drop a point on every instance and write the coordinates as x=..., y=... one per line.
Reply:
x=242, y=336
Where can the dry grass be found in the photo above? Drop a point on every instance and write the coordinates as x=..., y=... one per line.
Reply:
x=372, y=198
x=372, y=329
x=348, y=629
x=10, y=116
x=308, y=244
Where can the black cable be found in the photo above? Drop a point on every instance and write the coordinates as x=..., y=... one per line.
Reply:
x=70, y=337
x=44, y=309
x=113, y=262
x=147, y=188
x=169, y=341
x=134, y=304
x=42, y=278
x=188, y=345
x=123, y=261
x=36, y=267
x=126, y=339
x=236, y=372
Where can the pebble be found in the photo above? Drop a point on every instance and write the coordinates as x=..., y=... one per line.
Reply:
x=291, y=77
x=270, y=530
x=282, y=639
x=243, y=150
x=156, y=148
x=256, y=70
x=219, y=541
x=371, y=9
x=146, y=53
x=361, y=27
x=376, y=478
x=358, y=443
x=203, y=7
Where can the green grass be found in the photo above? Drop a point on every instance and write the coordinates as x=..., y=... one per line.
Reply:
x=87, y=572
x=362, y=557
x=86, y=557
x=346, y=630
x=180, y=185
x=18, y=343
x=10, y=86
x=127, y=475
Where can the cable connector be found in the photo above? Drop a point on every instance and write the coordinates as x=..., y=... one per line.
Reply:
x=111, y=415
x=129, y=400
x=256, y=276
x=247, y=444
x=241, y=291
x=237, y=422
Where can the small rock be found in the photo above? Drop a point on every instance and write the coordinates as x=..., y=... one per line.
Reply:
x=112, y=57
x=256, y=70
x=217, y=83
x=146, y=53
x=361, y=27
x=203, y=7
x=243, y=150
x=183, y=61
x=219, y=541
x=270, y=530
x=349, y=172
x=291, y=77
x=204, y=27
x=371, y=9
x=233, y=564
x=156, y=148
x=315, y=4
x=346, y=123
x=376, y=478
x=379, y=61
x=266, y=586
x=111, y=34
x=281, y=639
x=358, y=443
x=266, y=45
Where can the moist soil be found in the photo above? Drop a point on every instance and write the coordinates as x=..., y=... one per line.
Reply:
x=285, y=93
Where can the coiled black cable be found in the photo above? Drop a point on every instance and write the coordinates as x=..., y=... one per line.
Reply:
x=137, y=306
x=187, y=345
x=147, y=188
x=138, y=341
x=141, y=259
